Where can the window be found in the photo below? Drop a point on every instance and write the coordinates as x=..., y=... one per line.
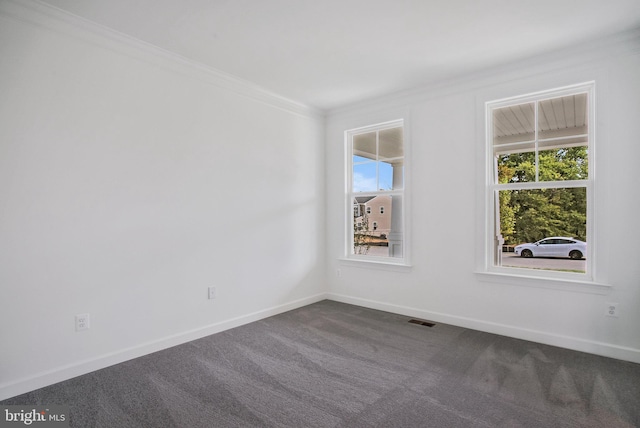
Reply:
x=375, y=186
x=540, y=182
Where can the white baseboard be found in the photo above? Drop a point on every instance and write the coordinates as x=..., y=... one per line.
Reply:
x=79, y=368
x=577, y=344
x=59, y=374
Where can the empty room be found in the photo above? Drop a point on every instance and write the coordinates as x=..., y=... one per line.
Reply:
x=319, y=214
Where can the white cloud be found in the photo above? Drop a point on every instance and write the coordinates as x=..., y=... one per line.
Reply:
x=362, y=183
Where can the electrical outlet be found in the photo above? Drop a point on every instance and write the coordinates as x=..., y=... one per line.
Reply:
x=613, y=310
x=212, y=293
x=82, y=322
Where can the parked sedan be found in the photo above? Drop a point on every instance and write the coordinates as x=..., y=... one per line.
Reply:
x=555, y=246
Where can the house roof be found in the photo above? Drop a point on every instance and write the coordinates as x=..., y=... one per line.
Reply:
x=363, y=199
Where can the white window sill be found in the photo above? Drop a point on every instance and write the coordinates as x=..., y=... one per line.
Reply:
x=578, y=285
x=376, y=263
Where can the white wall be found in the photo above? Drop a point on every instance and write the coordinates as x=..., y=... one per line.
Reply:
x=445, y=131
x=130, y=181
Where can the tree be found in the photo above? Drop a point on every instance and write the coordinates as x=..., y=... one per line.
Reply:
x=528, y=215
x=361, y=234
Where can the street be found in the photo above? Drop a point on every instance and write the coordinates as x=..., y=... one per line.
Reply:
x=512, y=260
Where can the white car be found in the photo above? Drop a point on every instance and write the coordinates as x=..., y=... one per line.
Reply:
x=555, y=246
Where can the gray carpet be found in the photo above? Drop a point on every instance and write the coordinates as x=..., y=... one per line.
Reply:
x=336, y=365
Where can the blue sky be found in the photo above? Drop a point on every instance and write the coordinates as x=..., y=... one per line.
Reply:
x=367, y=179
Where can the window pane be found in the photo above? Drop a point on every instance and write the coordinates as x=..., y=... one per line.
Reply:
x=385, y=171
x=528, y=216
x=373, y=222
x=513, y=124
x=516, y=167
x=564, y=164
x=391, y=143
x=391, y=155
x=364, y=177
x=364, y=145
x=563, y=117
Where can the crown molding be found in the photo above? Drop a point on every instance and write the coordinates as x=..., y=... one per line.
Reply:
x=594, y=53
x=54, y=19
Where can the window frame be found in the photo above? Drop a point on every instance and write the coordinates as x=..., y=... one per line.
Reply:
x=492, y=187
x=349, y=254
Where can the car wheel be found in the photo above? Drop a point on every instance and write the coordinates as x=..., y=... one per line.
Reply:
x=526, y=253
x=575, y=255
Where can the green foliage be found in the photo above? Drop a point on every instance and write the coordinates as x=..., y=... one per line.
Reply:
x=555, y=165
x=532, y=214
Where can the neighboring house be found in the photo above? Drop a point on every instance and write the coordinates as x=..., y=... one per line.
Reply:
x=377, y=210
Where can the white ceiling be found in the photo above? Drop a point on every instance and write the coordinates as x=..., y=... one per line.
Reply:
x=329, y=53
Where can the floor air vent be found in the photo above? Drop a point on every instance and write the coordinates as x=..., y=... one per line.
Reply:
x=422, y=322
